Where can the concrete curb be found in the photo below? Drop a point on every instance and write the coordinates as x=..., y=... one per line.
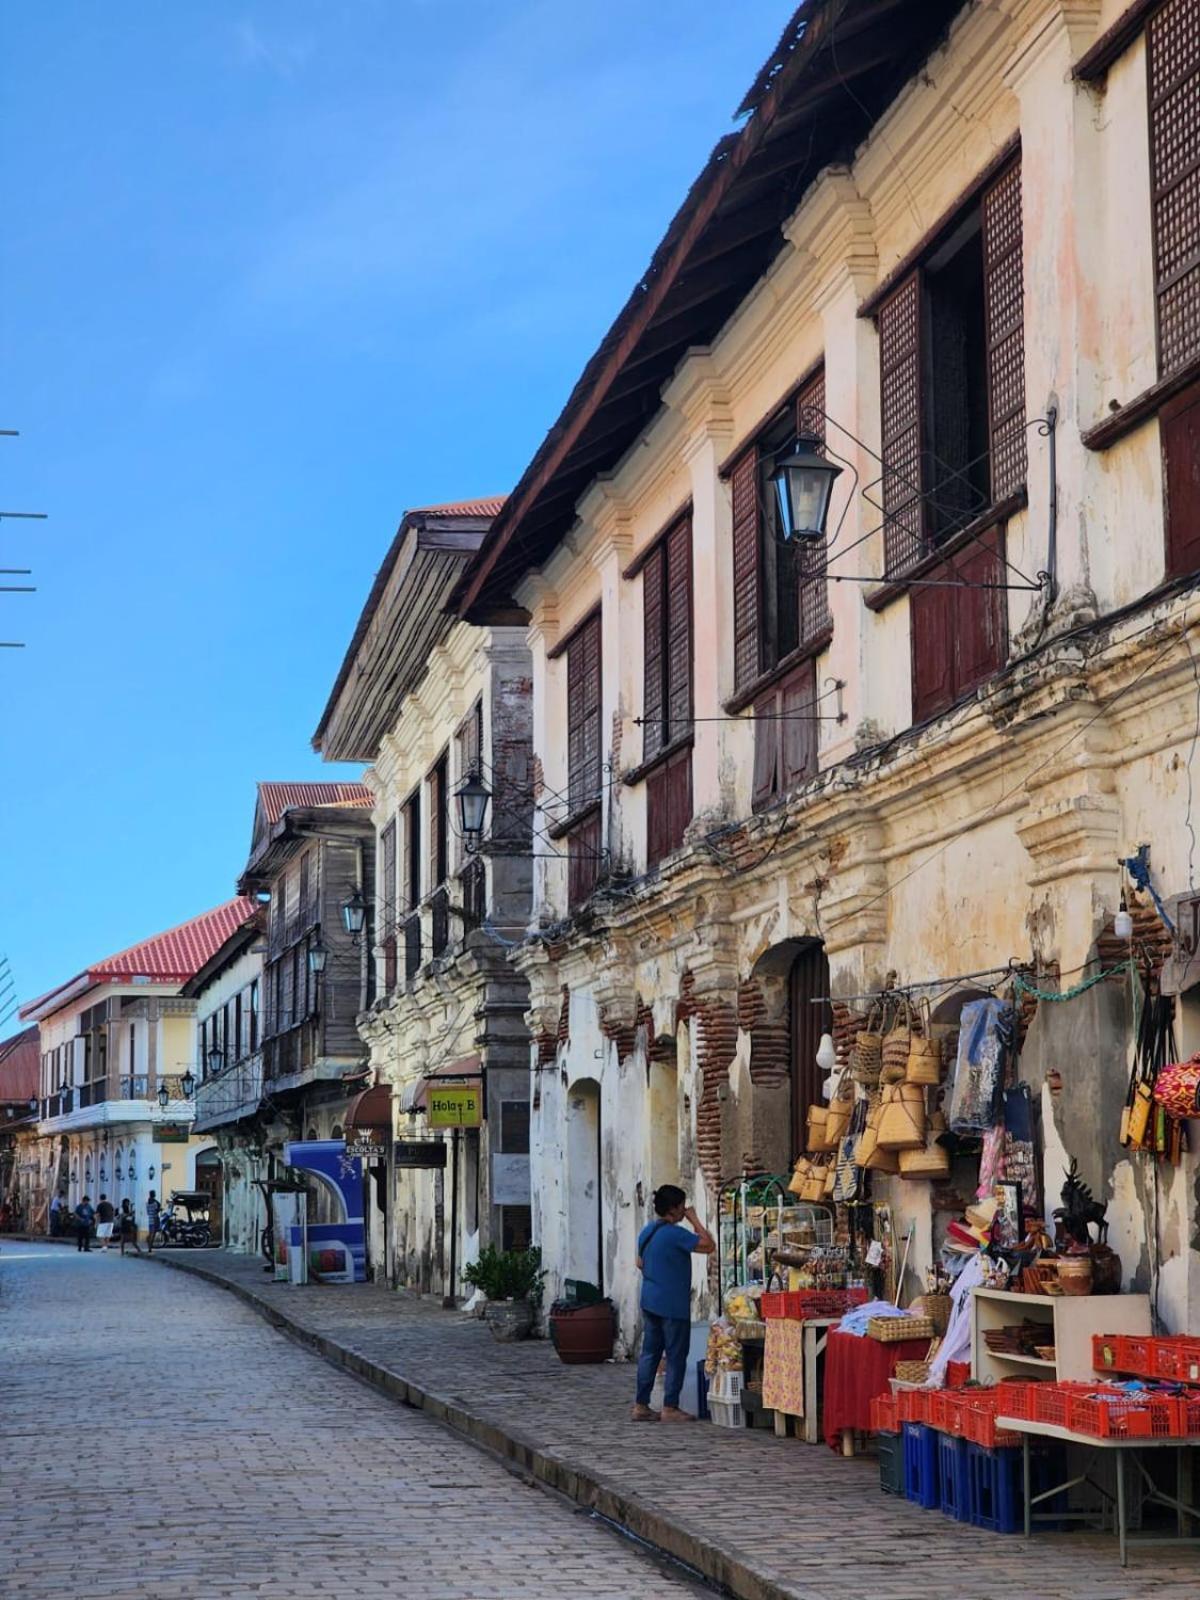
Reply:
x=683, y=1542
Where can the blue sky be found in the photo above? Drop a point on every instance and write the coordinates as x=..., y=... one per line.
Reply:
x=270, y=273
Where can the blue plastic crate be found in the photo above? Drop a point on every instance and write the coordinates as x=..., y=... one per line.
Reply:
x=995, y=1489
x=921, y=1466
x=954, y=1476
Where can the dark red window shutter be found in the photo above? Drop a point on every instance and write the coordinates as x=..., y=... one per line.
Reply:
x=798, y=730
x=1179, y=423
x=668, y=806
x=812, y=555
x=654, y=710
x=583, y=716
x=679, y=628
x=747, y=599
x=1004, y=298
x=899, y=323
x=766, y=750
x=980, y=633
x=1173, y=66
x=930, y=614
x=435, y=825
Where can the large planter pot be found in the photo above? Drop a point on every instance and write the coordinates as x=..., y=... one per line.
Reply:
x=582, y=1334
x=509, y=1320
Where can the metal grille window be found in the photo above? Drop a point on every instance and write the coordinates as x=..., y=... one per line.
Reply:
x=439, y=830
x=667, y=633
x=1173, y=87
x=583, y=759
x=952, y=378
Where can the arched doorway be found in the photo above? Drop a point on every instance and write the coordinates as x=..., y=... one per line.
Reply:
x=663, y=1099
x=209, y=1179
x=585, y=1254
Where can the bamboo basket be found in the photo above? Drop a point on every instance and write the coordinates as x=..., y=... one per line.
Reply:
x=894, y=1330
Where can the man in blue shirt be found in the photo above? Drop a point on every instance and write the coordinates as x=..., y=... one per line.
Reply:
x=665, y=1261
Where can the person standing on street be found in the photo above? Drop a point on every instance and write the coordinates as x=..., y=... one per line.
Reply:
x=58, y=1208
x=152, y=1213
x=104, y=1221
x=85, y=1215
x=127, y=1222
x=665, y=1251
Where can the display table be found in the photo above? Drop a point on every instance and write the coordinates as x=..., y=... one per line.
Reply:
x=856, y=1371
x=1184, y=1511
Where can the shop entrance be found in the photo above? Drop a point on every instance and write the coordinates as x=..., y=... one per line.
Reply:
x=810, y=1015
x=209, y=1180
x=585, y=1255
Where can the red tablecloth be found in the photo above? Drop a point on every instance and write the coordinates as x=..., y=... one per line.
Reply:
x=856, y=1370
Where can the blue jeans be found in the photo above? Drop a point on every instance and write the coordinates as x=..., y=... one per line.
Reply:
x=671, y=1335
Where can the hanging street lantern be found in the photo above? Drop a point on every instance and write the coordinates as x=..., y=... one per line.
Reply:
x=188, y=1084
x=354, y=915
x=215, y=1060
x=472, y=796
x=317, y=957
x=163, y=1096
x=803, y=480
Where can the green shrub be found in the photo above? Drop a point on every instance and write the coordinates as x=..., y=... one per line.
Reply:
x=507, y=1274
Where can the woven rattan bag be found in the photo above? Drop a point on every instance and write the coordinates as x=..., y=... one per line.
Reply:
x=931, y=1160
x=897, y=1042
x=839, y=1111
x=902, y=1124
x=817, y=1137
x=924, y=1064
x=866, y=1059
x=799, y=1176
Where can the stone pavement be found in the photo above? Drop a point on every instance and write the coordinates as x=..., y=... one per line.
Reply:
x=159, y=1443
x=762, y=1516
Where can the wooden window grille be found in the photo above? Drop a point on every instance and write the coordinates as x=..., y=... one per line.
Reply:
x=785, y=736
x=1173, y=90
x=583, y=759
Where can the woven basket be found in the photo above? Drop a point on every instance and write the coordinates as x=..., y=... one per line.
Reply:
x=799, y=1176
x=937, y=1308
x=866, y=1058
x=897, y=1043
x=894, y=1330
x=838, y=1113
x=933, y=1159
x=924, y=1064
x=902, y=1123
x=912, y=1371
x=817, y=1137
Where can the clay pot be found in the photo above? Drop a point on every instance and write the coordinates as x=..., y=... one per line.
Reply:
x=1075, y=1274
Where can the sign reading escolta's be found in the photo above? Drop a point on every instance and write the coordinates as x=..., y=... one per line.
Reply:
x=333, y=1251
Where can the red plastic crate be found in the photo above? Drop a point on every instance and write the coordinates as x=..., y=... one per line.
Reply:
x=958, y=1374
x=1106, y=1350
x=1126, y=1416
x=1135, y=1355
x=945, y=1411
x=978, y=1417
x=913, y=1405
x=883, y=1414
x=1050, y=1400
x=1189, y=1415
x=794, y=1305
x=1015, y=1398
x=1177, y=1359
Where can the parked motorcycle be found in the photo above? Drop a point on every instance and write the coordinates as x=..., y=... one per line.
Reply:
x=190, y=1232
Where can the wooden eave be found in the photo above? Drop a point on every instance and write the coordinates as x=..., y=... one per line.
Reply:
x=273, y=853
x=838, y=66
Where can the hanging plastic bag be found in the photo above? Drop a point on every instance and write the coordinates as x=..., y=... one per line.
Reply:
x=986, y=1035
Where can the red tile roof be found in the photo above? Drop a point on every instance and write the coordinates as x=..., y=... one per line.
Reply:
x=171, y=957
x=489, y=506
x=276, y=798
x=19, y=1066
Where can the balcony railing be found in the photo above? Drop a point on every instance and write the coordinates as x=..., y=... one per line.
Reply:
x=439, y=921
x=412, y=944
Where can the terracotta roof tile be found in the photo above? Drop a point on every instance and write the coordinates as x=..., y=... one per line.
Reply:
x=276, y=798
x=489, y=506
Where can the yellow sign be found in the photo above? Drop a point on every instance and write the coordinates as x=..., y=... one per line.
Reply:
x=459, y=1105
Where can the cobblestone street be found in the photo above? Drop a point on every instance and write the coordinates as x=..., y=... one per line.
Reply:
x=160, y=1442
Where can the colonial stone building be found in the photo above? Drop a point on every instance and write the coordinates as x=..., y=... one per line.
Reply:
x=958, y=248
x=429, y=701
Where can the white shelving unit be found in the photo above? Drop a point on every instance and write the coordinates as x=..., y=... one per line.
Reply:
x=1070, y=1320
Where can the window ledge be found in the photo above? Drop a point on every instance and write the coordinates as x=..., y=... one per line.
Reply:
x=1140, y=409
x=559, y=830
x=891, y=589
x=641, y=772
x=764, y=681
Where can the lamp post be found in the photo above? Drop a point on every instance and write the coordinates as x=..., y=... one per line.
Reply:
x=803, y=480
x=472, y=796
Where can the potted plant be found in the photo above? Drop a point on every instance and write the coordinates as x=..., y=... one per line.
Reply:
x=512, y=1282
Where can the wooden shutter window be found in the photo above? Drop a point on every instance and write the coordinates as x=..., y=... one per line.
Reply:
x=678, y=674
x=1179, y=425
x=959, y=636
x=435, y=819
x=1173, y=89
x=653, y=629
x=1004, y=307
x=785, y=736
x=583, y=716
x=387, y=880
x=813, y=553
x=747, y=597
x=899, y=323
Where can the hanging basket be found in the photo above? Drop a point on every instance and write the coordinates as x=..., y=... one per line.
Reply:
x=866, y=1058
x=838, y=1113
x=799, y=1177
x=897, y=1043
x=902, y=1123
x=1177, y=1088
x=924, y=1064
x=816, y=1137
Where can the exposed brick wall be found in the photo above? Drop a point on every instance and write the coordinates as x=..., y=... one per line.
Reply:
x=564, y=1017
x=512, y=759
x=716, y=1026
x=770, y=1039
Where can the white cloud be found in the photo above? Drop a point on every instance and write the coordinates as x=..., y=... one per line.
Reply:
x=284, y=55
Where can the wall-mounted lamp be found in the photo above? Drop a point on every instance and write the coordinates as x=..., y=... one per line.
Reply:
x=354, y=914
x=317, y=957
x=164, y=1095
x=472, y=796
x=803, y=480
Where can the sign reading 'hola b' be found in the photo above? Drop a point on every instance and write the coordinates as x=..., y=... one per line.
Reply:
x=458, y=1105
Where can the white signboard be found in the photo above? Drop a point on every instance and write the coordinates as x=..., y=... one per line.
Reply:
x=510, y=1180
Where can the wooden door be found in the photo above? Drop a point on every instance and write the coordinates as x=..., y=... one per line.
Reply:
x=811, y=1016
x=209, y=1180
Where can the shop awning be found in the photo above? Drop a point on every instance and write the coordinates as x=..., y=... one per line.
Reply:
x=468, y=1069
x=371, y=1111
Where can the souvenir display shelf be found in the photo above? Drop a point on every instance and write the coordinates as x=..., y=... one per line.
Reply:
x=1070, y=1320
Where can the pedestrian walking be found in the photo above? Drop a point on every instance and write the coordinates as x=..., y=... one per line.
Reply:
x=85, y=1216
x=127, y=1224
x=665, y=1251
x=58, y=1210
x=104, y=1221
x=152, y=1214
